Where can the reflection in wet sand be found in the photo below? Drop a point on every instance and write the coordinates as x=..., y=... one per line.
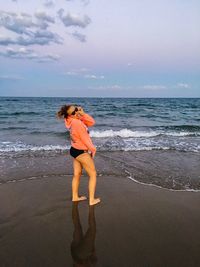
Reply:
x=83, y=246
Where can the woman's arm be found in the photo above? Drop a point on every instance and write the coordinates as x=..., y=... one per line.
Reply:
x=84, y=136
x=85, y=118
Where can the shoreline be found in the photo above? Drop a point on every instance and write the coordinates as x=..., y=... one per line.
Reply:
x=160, y=187
x=173, y=171
x=128, y=177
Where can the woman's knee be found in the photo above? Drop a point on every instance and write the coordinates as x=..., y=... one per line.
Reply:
x=77, y=175
x=92, y=172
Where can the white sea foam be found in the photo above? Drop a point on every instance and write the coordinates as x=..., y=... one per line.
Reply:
x=158, y=186
x=146, y=148
x=181, y=133
x=15, y=147
x=126, y=133
x=115, y=140
x=144, y=145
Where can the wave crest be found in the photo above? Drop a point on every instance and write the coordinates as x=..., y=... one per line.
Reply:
x=126, y=133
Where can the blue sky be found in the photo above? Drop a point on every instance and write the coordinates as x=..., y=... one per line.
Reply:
x=131, y=48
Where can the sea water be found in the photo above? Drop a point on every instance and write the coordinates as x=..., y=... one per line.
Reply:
x=28, y=125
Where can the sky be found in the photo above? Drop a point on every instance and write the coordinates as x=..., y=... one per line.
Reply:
x=100, y=48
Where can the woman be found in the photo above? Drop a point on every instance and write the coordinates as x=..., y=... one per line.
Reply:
x=82, y=149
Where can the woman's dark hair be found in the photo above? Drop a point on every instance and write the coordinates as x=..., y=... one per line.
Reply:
x=62, y=113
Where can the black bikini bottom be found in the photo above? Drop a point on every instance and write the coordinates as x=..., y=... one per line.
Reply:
x=74, y=152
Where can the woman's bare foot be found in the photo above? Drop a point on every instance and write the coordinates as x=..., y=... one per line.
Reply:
x=95, y=201
x=79, y=198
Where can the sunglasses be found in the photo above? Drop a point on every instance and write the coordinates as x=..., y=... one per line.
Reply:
x=73, y=113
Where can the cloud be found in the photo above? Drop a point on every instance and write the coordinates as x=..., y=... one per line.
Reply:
x=39, y=37
x=17, y=53
x=85, y=2
x=49, y=3
x=42, y=37
x=24, y=23
x=6, y=40
x=154, y=87
x=94, y=77
x=78, y=36
x=71, y=73
x=48, y=58
x=108, y=87
x=32, y=29
x=18, y=23
x=77, y=72
x=24, y=53
x=74, y=19
x=183, y=85
x=42, y=15
x=84, y=73
x=162, y=87
x=10, y=78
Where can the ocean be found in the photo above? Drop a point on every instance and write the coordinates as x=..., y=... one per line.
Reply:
x=29, y=128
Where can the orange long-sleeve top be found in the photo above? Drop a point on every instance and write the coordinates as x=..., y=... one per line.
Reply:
x=79, y=135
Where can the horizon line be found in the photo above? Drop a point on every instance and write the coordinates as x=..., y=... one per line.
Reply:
x=94, y=97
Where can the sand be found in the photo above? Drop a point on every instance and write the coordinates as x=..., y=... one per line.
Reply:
x=134, y=225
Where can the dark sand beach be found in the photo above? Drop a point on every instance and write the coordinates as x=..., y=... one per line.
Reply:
x=134, y=225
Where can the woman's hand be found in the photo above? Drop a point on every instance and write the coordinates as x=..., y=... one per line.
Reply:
x=80, y=111
x=93, y=153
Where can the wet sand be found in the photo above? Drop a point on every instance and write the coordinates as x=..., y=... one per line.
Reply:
x=134, y=225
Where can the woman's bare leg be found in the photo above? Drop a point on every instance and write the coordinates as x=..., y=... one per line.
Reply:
x=76, y=181
x=87, y=163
